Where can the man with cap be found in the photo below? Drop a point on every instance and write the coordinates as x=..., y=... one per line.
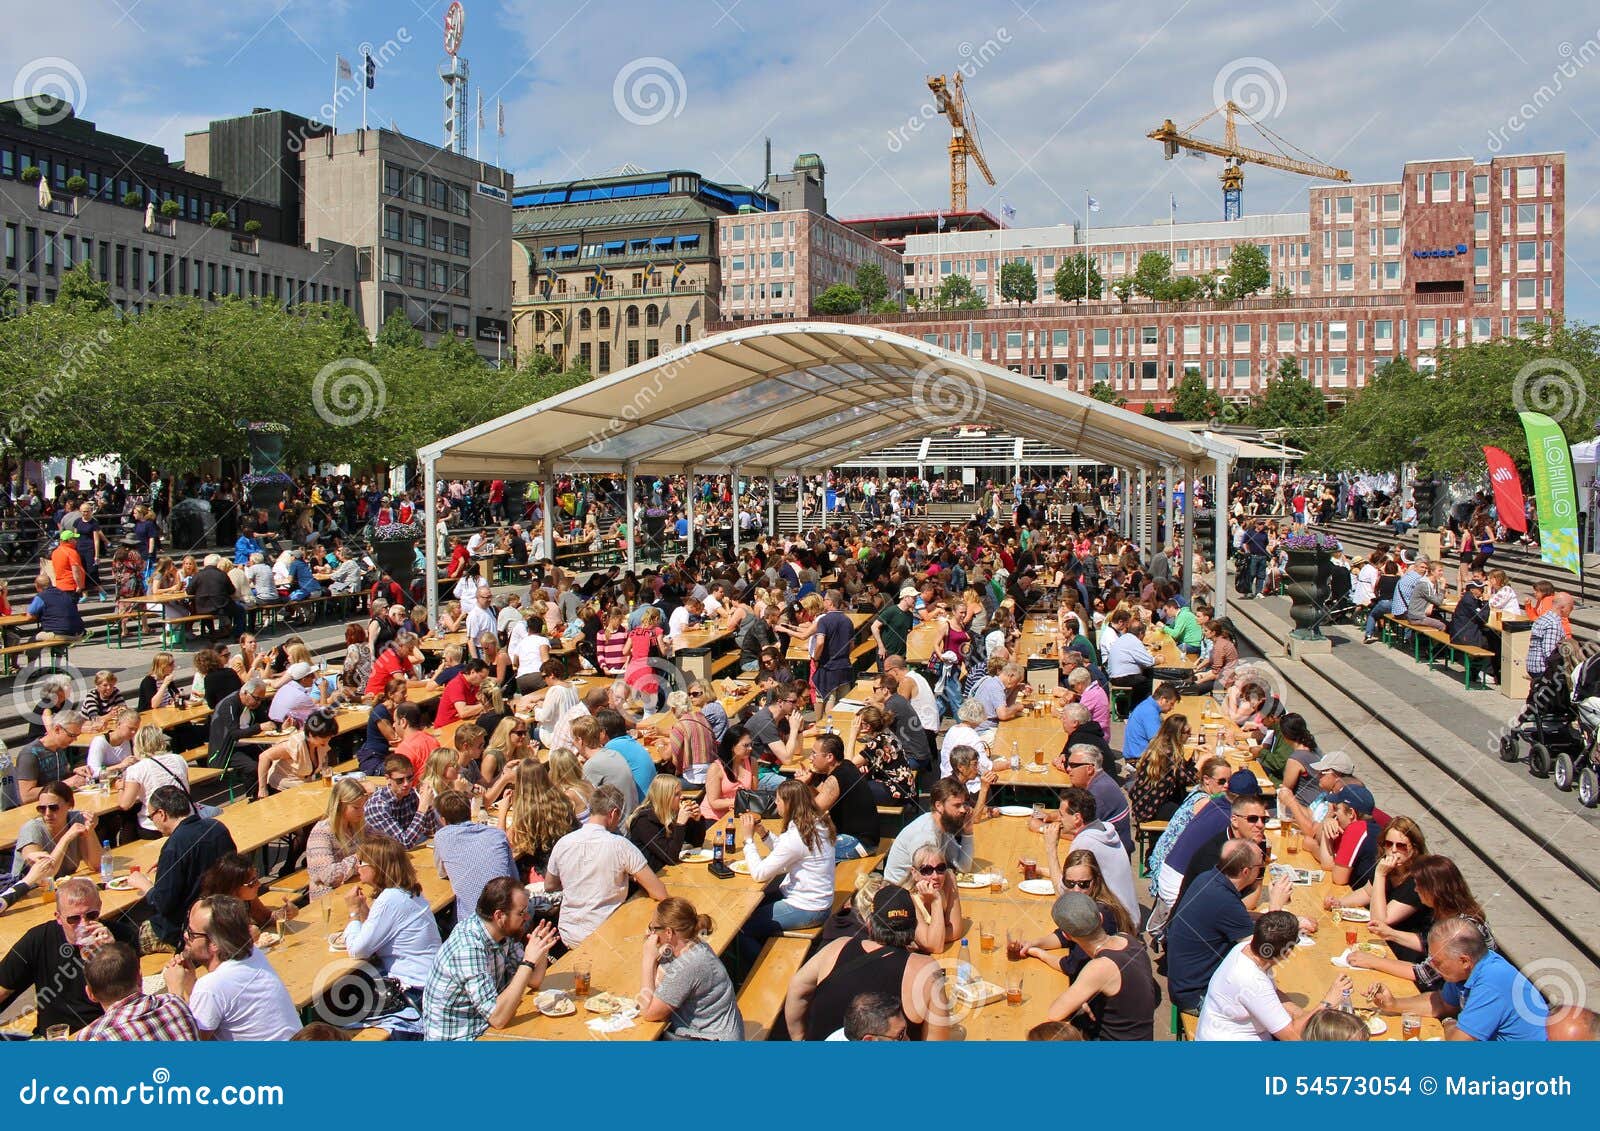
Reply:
x=1469, y=624
x=1334, y=770
x=1114, y=996
x=1347, y=840
x=293, y=700
x=893, y=623
x=822, y=991
x=1210, y=821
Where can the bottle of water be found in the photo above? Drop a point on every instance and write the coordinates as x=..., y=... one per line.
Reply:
x=964, y=965
x=105, y=862
x=1345, y=1004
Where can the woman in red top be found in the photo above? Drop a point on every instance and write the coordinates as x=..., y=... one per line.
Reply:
x=400, y=658
x=645, y=643
x=731, y=770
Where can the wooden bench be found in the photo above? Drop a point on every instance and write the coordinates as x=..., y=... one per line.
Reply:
x=725, y=662
x=1145, y=840
x=56, y=646
x=762, y=999
x=295, y=884
x=116, y=624
x=1439, y=642
x=867, y=649
x=172, y=628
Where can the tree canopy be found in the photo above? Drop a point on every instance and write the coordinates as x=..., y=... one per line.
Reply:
x=872, y=284
x=958, y=293
x=1017, y=283
x=1078, y=278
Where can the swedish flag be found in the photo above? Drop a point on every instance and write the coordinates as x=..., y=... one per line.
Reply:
x=678, y=269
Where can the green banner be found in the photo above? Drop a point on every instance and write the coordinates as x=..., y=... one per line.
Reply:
x=1555, y=495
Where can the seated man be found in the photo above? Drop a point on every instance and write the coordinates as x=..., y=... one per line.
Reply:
x=1218, y=908
x=1484, y=997
x=241, y=998
x=1129, y=663
x=193, y=843
x=1145, y=720
x=114, y=983
x=947, y=826
x=592, y=866
x=49, y=958
x=466, y=853
x=482, y=972
x=1076, y=822
x=1114, y=996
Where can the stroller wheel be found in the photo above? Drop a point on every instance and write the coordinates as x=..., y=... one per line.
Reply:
x=1510, y=748
x=1562, y=772
x=1539, y=760
x=1589, y=787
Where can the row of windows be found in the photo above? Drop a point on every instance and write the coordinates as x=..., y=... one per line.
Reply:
x=424, y=231
x=419, y=188
x=43, y=252
x=773, y=229
x=426, y=274
x=757, y=262
x=438, y=318
x=598, y=355
x=602, y=317
x=106, y=183
x=1526, y=178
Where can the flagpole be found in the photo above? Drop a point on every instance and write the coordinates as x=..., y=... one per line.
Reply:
x=1086, y=243
x=366, y=78
x=334, y=101
x=1172, y=214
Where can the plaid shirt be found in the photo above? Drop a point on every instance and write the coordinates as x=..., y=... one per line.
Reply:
x=143, y=1017
x=402, y=818
x=468, y=974
x=1543, y=641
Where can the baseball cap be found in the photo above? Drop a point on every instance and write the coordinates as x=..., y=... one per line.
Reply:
x=1076, y=914
x=1474, y=584
x=68, y=535
x=300, y=671
x=1337, y=761
x=892, y=909
x=908, y=591
x=1243, y=784
x=1358, y=797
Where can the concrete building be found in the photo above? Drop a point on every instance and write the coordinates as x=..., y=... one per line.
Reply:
x=615, y=269
x=1453, y=252
x=101, y=187
x=774, y=266
x=432, y=228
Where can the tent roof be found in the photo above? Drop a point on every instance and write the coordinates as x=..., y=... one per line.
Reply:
x=797, y=396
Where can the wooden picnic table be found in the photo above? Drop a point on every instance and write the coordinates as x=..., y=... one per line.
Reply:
x=10, y=620
x=1207, y=723
x=439, y=643
x=164, y=717
x=693, y=648
x=797, y=649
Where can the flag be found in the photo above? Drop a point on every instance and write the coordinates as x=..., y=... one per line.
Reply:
x=372, y=73
x=480, y=108
x=1507, y=486
x=1554, y=493
x=940, y=223
x=45, y=198
x=544, y=288
x=1172, y=202
x=678, y=269
x=344, y=72
x=1007, y=212
x=1094, y=205
x=499, y=117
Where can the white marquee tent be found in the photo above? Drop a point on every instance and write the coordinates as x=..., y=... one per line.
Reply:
x=799, y=398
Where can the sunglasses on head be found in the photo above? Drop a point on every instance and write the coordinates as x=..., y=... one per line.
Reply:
x=932, y=869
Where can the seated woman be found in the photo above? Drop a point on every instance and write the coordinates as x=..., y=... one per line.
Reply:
x=293, y=761
x=691, y=741
x=1243, y=707
x=333, y=847
x=879, y=755
x=664, y=822
x=1215, y=672
x=936, y=898
x=1293, y=752
x=801, y=858
x=159, y=686
x=235, y=875
x=1442, y=892
x=58, y=834
x=540, y=813
x=154, y=766
x=1080, y=872
x=734, y=769
x=397, y=932
x=1163, y=776
x=112, y=751
x=684, y=982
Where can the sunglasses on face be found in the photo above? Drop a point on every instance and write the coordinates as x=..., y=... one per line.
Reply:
x=47, y=808
x=85, y=917
x=1077, y=885
x=1079, y=765
x=1404, y=845
x=1257, y=819
x=398, y=781
x=932, y=869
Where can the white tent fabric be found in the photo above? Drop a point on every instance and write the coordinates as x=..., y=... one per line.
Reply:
x=802, y=397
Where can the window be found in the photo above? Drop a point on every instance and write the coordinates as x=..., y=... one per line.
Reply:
x=775, y=259
x=604, y=318
x=416, y=229
x=1526, y=289
x=1480, y=186
x=736, y=233
x=1102, y=373
x=393, y=221
x=1102, y=338
x=1338, y=333
x=1391, y=271
x=605, y=358
x=393, y=266
x=1060, y=339
x=1527, y=182
x=438, y=275
x=1424, y=330
x=1118, y=260
x=1391, y=202
x=1441, y=186
x=1346, y=205
x=1480, y=257
x=1527, y=253
x=1014, y=340
x=1480, y=222
x=1382, y=330
x=441, y=194
x=738, y=263
x=738, y=293
x=439, y=238
x=416, y=188
x=652, y=316
x=1347, y=239
x=1527, y=215
x=1391, y=238
x=1241, y=372
x=1149, y=335
x=393, y=179
x=1241, y=333
x=585, y=319
x=631, y=315
x=1347, y=272
x=460, y=240
x=1191, y=338
x=416, y=271
x=1480, y=329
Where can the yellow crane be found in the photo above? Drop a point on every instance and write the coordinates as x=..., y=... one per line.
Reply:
x=963, y=137
x=1235, y=155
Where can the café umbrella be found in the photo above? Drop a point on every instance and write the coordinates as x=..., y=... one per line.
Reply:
x=150, y=216
x=45, y=199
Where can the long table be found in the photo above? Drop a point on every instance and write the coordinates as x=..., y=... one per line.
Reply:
x=860, y=621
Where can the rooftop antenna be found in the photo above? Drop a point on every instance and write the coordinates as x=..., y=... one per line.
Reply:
x=455, y=80
x=768, y=177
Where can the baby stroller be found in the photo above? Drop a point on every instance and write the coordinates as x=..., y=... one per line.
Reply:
x=1579, y=769
x=1554, y=729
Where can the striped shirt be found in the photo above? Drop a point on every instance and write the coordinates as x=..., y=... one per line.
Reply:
x=143, y=1017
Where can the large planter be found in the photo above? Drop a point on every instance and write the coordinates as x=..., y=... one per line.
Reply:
x=395, y=558
x=1307, y=588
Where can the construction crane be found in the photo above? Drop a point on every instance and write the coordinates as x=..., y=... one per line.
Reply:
x=1235, y=155
x=963, y=137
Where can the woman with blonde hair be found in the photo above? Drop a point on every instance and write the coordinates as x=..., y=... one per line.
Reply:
x=1164, y=774
x=333, y=847
x=682, y=981
x=1399, y=916
x=664, y=822
x=396, y=931
x=540, y=814
x=936, y=898
x=440, y=772
x=566, y=772
x=157, y=688
x=154, y=765
x=801, y=858
x=1081, y=873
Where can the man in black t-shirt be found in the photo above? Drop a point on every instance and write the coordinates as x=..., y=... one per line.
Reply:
x=49, y=957
x=842, y=793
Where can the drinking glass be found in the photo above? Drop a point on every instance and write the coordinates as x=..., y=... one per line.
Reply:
x=1410, y=1026
x=1013, y=989
x=58, y=1033
x=1013, y=944
x=985, y=939
x=581, y=973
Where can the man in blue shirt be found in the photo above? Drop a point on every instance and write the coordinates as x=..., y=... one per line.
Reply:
x=1488, y=998
x=1213, y=917
x=640, y=764
x=1145, y=719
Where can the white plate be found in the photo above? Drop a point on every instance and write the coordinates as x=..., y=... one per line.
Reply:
x=1263, y=782
x=1377, y=1026
x=741, y=866
x=695, y=856
x=1014, y=811
x=555, y=1003
x=336, y=942
x=1032, y=769
x=268, y=939
x=977, y=880
x=1355, y=914
x=1341, y=961
x=1037, y=887
x=121, y=883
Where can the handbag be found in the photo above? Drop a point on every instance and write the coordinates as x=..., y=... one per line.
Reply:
x=207, y=812
x=762, y=802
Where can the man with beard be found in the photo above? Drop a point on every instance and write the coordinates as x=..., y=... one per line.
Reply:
x=946, y=827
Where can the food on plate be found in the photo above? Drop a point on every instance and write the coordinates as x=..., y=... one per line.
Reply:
x=604, y=1003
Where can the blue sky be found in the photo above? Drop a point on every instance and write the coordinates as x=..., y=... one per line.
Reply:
x=1064, y=93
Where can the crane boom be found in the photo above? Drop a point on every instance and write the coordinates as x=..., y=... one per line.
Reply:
x=951, y=100
x=1173, y=139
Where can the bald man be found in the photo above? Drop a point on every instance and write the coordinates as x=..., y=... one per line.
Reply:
x=1573, y=1023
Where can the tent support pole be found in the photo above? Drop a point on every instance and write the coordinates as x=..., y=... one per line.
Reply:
x=1219, y=519
x=628, y=472
x=430, y=543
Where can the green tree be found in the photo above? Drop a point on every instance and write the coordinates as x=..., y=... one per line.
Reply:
x=80, y=289
x=1017, y=284
x=1123, y=289
x=958, y=293
x=1184, y=288
x=1290, y=402
x=397, y=332
x=841, y=298
x=872, y=284
x=1079, y=278
x=1153, y=275
x=1248, y=272
x=887, y=306
x=1101, y=391
x=1193, y=399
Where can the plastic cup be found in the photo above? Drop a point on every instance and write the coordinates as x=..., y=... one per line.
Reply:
x=1350, y=936
x=985, y=939
x=1013, y=945
x=1410, y=1026
x=1013, y=989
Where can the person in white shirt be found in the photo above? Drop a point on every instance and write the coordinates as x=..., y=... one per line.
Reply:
x=678, y=623
x=1242, y=1002
x=914, y=686
x=475, y=543
x=466, y=590
x=481, y=619
x=591, y=867
x=531, y=653
x=1365, y=585
x=1503, y=598
x=396, y=931
x=241, y=998
x=802, y=854
x=966, y=733
x=559, y=700
x=113, y=750
x=1128, y=662
x=510, y=612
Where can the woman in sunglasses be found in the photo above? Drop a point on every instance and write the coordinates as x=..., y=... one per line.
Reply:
x=936, y=898
x=57, y=826
x=1081, y=873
